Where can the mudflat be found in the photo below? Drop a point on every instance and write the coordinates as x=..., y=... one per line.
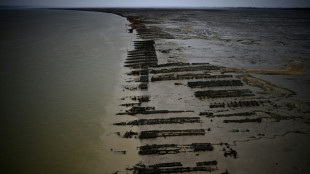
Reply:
x=217, y=90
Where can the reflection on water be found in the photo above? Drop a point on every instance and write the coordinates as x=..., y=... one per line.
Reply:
x=58, y=71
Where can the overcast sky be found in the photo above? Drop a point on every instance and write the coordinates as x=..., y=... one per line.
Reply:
x=157, y=3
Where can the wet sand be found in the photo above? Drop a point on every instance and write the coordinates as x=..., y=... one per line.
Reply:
x=199, y=84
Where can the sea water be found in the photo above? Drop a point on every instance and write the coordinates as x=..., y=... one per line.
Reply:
x=59, y=70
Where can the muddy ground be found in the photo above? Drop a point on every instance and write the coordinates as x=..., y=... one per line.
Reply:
x=218, y=90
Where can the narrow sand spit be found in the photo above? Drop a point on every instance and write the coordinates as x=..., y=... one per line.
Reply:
x=193, y=111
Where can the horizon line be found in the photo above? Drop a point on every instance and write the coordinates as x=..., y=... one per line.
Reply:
x=156, y=7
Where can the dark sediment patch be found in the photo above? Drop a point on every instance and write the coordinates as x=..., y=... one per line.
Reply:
x=143, y=98
x=214, y=83
x=123, y=152
x=224, y=93
x=130, y=104
x=235, y=104
x=172, y=120
x=170, y=64
x=187, y=77
x=163, y=149
x=209, y=114
x=173, y=167
x=231, y=153
x=143, y=78
x=143, y=54
x=167, y=133
x=148, y=110
x=184, y=69
x=246, y=120
x=143, y=86
x=139, y=72
x=130, y=134
x=250, y=103
x=217, y=105
x=207, y=163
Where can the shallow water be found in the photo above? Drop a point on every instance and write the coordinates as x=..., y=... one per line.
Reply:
x=58, y=73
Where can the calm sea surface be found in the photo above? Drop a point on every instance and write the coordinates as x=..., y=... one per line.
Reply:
x=58, y=72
